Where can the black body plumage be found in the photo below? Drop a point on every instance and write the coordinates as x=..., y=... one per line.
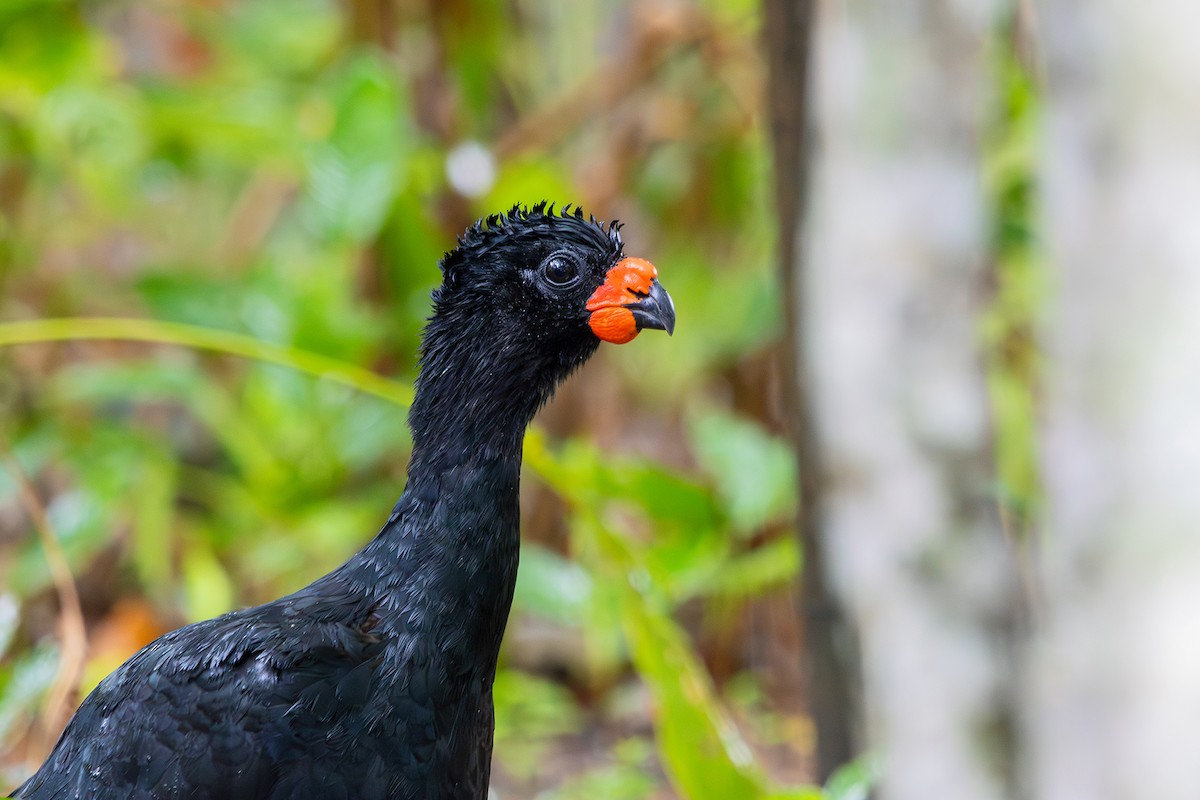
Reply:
x=374, y=681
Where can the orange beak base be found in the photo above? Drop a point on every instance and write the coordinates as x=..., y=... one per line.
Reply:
x=629, y=299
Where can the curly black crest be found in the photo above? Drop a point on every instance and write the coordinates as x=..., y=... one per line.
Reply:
x=521, y=223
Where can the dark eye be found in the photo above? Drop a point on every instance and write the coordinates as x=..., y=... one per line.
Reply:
x=561, y=270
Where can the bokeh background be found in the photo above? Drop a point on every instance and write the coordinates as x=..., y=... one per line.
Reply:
x=948, y=249
x=287, y=173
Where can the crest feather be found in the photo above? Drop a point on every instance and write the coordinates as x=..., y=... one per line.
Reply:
x=508, y=227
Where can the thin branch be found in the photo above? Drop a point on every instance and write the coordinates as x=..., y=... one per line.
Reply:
x=72, y=631
x=657, y=39
x=194, y=336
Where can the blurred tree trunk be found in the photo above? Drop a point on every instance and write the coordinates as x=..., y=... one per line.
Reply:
x=371, y=22
x=1116, y=676
x=887, y=263
x=830, y=658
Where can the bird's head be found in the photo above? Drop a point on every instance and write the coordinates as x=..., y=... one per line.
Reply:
x=526, y=297
x=549, y=286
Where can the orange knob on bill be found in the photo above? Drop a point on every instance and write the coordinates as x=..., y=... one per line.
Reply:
x=629, y=300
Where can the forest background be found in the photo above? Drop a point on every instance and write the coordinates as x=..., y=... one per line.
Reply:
x=906, y=501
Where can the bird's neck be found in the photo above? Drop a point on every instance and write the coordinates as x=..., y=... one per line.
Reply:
x=476, y=394
x=458, y=417
x=444, y=568
x=446, y=561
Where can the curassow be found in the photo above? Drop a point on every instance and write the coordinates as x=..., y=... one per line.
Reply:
x=375, y=681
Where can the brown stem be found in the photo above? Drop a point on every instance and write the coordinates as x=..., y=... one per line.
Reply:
x=72, y=631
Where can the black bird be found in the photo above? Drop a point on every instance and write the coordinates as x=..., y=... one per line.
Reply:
x=375, y=681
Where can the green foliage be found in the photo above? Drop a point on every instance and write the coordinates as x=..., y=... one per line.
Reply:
x=1010, y=156
x=700, y=747
x=530, y=712
x=853, y=781
x=553, y=587
x=355, y=170
x=22, y=680
x=625, y=779
x=755, y=475
x=227, y=215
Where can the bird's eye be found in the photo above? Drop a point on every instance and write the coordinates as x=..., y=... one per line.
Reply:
x=561, y=270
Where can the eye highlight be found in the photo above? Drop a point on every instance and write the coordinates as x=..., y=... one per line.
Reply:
x=560, y=270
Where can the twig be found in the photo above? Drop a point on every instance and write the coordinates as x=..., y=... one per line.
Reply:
x=38, y=331
x=1020, y=540
x=72, y=631
x=254, y=213
x=655, y=40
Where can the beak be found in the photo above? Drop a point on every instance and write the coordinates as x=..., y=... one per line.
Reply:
x=630, y=299
x=655, y=310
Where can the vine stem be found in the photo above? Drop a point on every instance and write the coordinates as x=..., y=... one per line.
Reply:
x=200, y=338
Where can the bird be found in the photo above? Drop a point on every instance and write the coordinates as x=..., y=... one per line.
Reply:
x=375, y=681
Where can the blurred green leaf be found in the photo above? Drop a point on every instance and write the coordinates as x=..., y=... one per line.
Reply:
x=153, y=528
x=797, y=793
x=551, y=586
x=208, y=589
x=629, y=778
x=750, y=574
x=284, y=38
x=23, y=681
x=755, y=473
x=700, y=747
x=853, y=781
x=182, y=296
x=95, y=131
x=530, y=711
x=125, y=382
x=354, y=173
x=46, y=46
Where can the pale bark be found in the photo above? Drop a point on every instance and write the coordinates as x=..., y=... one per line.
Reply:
x=1115, y=700
x=894, y=273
